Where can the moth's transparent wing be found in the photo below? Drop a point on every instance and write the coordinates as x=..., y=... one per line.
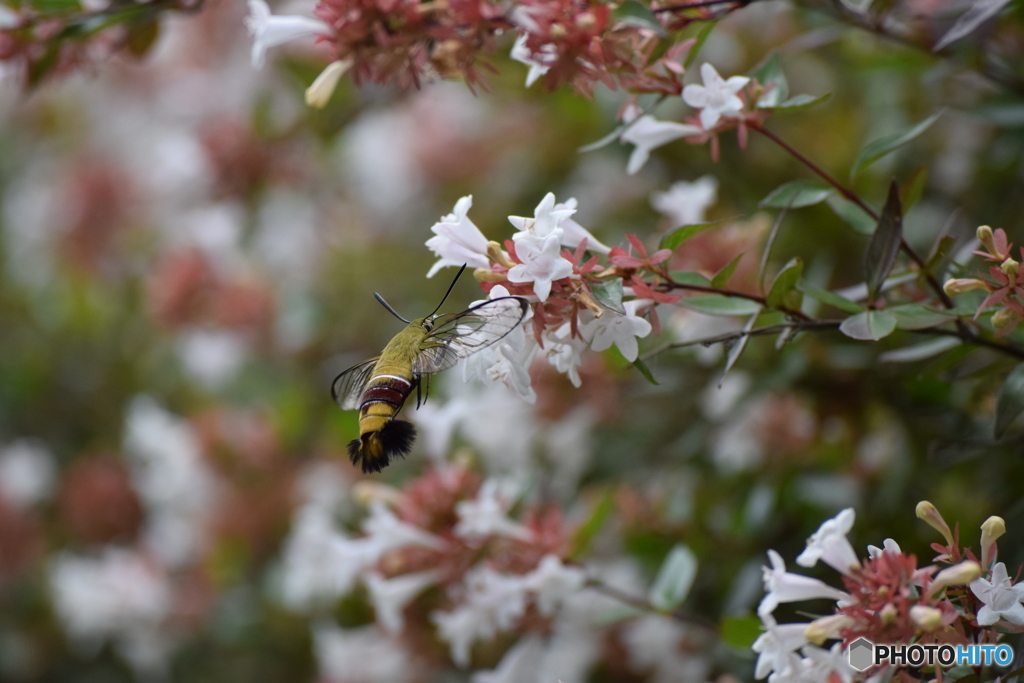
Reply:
x=348, y=387
x=459, y=335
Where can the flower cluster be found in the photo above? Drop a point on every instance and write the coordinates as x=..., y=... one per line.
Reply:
x=887, y=599
x=1005, y=287
x=575, y=302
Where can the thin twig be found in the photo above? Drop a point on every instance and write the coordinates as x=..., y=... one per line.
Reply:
x=646, y=606
x=672, y=284
x=739, y=334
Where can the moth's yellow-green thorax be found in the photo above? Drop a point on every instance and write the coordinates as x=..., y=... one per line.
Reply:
x=398, y=356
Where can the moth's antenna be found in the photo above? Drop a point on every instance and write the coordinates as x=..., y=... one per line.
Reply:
x=386, y=305
x=450, y=288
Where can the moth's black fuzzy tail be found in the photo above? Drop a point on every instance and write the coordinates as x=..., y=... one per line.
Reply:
x=375, y=449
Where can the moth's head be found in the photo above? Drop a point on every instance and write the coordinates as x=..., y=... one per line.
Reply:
x=426, y=323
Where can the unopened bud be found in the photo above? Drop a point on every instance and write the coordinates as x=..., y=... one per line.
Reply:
x=991, y=529
x=926, y=618
x=957, y=575
x=1009, y=266
x=888, y=613
x=960, y=285
x=497, y=255
x=586, y=20
x=488, y=275
x=930, y=514
x=820, y=630
x=365, y=492
x=985, y=236
x=319, y=93
x=557, y=31
x=1004, y=317
x=587, y=302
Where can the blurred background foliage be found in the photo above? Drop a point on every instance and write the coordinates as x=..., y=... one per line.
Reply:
x=180, y=226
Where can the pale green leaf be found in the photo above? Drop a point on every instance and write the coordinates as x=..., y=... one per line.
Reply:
x=874, y=151
x=869, y=325
x=795, y=194
x=675, y=578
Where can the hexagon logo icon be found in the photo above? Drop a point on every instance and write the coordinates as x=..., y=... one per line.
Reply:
x=862, y=654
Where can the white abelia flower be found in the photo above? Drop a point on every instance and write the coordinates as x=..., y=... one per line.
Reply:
x=364, y=654
x=783, y=586
x=538, y=66
x=573, y=233
x=547, y=219
x=620, y=330
x=542, y=263
x=565, y=352
x=507, y=361
x=830, y=545
x=648, y=133
x=270, y=31
x=457, y=240
x=1002, y=599
x=318, y=94
x=387, y=532
x=390, y=596
x=831, y=665
x=888, y=546
x=717, y=97
x=27, y=473
x=775, y=647
x=552, y=582
x=521, y=663
x=487, y=515
x=685, y=203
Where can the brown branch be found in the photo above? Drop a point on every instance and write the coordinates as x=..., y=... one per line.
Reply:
x=672, y=284
x=645, y=606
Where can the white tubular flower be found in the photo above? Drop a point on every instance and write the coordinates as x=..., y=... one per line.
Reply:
x=27, y=473
x=830, y=545
x=552, y=582
x=542, y=263
x=547, y=219
x=1002, y=599
x=573, y=233
x=487, y=515
x=621, y=330
x=269, y=31
x=648, y=133
x=776, y=646
x=538, y=67
x=387, y=532
x=717, y=97
x=783, y=586
x=685, y=203
x=565, y=352
x=888, y=546
x=831, y=665
x=319, y=93
x=390, y=596
x=458, y=240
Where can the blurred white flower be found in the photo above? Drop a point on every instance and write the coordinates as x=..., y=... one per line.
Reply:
x=270, y=31
x=507, y=361
x=648, y=133
x=212, y=357
x=827, y=665
x=565, y=352
x=457, y=240
x=9, y=18
x=323, y=483
x=390, y=596
x=620, y=330
x=521, y=664
x=685, y=203
x=775, y=647
x=27, y=473
x=487, y=514
x=538, y=67
x=364, y=654
x=782, y=586
x=830, y=545
x=177, y=487
x=492, y=603
x=108, y=596
x=717, y=97
x=573, y=233
x=1002, y=599
x=500, y=425
x=387, y=532
x=653, y=644
x=542, y=263
x=552, y=582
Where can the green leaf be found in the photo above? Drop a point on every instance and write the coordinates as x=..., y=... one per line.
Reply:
x=784, y=282
x=142, y=37
x=633, y=13
x=609, y=294
x=869, y=325
x=914, y=188
x=685, y=277
x=675, y=578
x=737, y=348
x=874, y=151
x=795, y=194
x=674, y=238
x=853, y=215
x=909, y=354
x=721, y=279
x=740, y=632
x=885, y=243
x=830, y=298
x=797, y=103
x=1010, y=400
x=769, y=74
x=702, y=37
x=716, y=304
x=645, y=371
x=587, y=531
x=918, y=316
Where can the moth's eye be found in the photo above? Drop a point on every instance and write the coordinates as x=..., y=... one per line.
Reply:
x=428, y=325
